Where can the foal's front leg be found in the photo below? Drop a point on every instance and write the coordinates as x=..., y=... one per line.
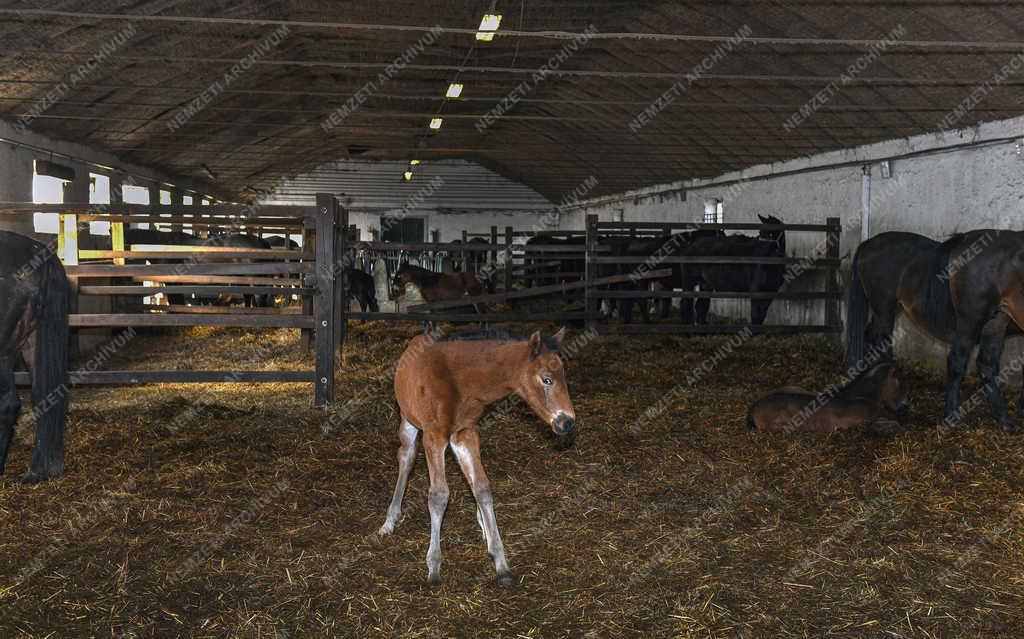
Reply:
x=466, y=446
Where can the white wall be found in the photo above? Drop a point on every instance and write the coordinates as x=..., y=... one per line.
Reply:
x=454, y=195
x=942, y=190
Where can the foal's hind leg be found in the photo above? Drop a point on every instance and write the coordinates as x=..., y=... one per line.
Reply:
x=434, y=447
x=990, y=350
x=466, y=446
x=10, y=406
x=409, y=436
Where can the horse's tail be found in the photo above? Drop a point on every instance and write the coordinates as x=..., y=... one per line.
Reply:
x=939, y=314
x=856, y=315
x=751, y=424
x=49, y=370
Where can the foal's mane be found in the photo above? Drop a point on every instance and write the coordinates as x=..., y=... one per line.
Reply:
x=499, y=336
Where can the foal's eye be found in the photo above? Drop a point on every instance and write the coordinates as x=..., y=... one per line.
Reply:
x=546, y=380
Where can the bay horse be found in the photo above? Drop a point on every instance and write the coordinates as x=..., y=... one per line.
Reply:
x=874, y=395
x=34, y=301
x=736, y=277
x=967, y=291
x=443, y=386
x=437, y=287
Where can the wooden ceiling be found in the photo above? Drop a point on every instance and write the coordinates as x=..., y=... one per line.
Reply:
x=265, y=122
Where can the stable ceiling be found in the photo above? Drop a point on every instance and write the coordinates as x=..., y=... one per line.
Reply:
x=265, y=123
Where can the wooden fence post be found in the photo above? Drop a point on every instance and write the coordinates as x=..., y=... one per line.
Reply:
x=325, y=308
x=508, y=258
x=341, y=282
x=492, y=275
x=589, y=269
x=308, y=246
x=833, y=316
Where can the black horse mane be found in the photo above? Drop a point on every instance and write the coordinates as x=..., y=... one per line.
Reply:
x=502, y=336
x=939, y=313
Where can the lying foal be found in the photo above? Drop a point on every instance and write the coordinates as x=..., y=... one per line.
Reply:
x=875, y=395
x=443, y=388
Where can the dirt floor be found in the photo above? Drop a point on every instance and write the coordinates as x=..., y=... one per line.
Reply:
x=239, y=511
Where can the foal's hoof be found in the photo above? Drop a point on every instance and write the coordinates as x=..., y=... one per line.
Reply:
x=386, y=529
x=508, y=579
x=434, y=581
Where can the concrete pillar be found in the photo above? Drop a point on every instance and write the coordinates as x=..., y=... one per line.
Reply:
x=16, y=172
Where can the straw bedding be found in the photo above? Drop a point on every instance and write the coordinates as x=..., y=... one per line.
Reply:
x=231, y=510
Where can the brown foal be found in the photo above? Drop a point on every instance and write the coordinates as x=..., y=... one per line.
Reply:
x=443, y=388
x=437, y=287
x=875, y=395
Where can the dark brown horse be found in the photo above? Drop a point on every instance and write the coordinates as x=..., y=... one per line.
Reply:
x=967, y=291
x=436, y=287
x=875, y=395
x=443, y=387
x=34, y=296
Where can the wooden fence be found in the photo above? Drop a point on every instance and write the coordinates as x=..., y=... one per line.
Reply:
x=209, y=269
x=313, y=272
x=533, y=262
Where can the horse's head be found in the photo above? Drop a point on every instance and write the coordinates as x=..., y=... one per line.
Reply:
x=776, y=237
x=893, y=394
x=542, y=384
x=402, y=277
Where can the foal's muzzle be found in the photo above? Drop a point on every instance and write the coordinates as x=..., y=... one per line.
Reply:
x=563, y=424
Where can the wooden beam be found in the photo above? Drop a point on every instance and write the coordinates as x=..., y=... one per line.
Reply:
x=93, y=320
x=121, y=378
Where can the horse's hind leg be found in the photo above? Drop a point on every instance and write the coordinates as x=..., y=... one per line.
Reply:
x=434, y=448
x=879, y=330
x=10, y=407
x=956, y=367
x=408, y=435
x=990, y=350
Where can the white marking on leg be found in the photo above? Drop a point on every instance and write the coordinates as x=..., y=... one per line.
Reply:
x=408, y=435
x=485, y=507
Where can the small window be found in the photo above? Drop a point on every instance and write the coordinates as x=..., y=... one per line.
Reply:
x=46, y=189
x=713, y=211
x=99, y=193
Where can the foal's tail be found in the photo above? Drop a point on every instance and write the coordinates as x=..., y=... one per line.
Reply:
x=751, y=424
x=856, y=315
x=49, y=370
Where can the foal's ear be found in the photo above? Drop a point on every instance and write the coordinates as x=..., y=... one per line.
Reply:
x=559, y=336
x=535, y=343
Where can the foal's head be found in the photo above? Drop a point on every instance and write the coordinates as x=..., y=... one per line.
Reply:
x=542, y=383
x=893, y=396
x=880, y=383
x=403, y=276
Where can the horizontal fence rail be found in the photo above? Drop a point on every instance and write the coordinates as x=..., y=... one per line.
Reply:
x=208, y=269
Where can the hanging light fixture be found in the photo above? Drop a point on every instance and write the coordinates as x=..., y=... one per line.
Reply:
x=488, y=25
